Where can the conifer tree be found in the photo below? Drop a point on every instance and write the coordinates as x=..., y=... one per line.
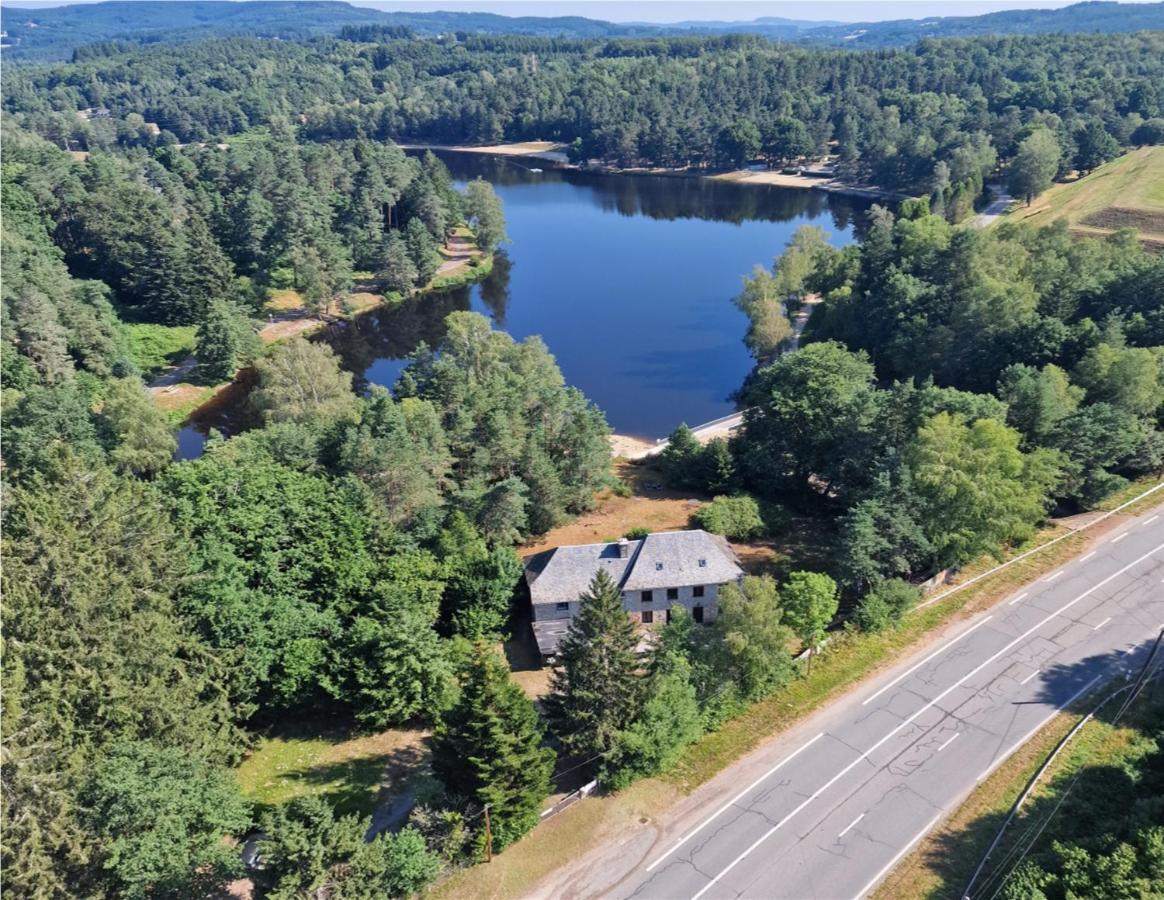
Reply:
x=422, y=250
x=488, y=748
x=594, y=688
x=397, y=271
x=141, y=439
x=225, y=341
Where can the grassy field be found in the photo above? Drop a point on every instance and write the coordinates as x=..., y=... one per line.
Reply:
x=350, y=771
x=1127, y=192
x=155, y=348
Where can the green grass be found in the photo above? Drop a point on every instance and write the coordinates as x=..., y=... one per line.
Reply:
x=1129, y=190
x=467, y=275
x=349, y=770
x=154, y=348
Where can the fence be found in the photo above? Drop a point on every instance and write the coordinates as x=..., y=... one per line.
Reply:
x=570, y=799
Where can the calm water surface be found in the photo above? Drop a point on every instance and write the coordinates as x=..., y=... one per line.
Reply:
x=628, y=280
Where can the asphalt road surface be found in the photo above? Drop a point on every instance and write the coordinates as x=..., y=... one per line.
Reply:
x=830, y=816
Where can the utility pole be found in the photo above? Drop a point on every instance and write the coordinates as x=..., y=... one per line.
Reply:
x=488, y=836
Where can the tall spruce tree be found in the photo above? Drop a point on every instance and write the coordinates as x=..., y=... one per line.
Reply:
x=595, y=691
x=488, y=748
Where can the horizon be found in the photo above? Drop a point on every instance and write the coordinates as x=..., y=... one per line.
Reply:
x=659, y=12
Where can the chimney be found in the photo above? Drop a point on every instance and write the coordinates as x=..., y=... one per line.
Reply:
x=623, y=548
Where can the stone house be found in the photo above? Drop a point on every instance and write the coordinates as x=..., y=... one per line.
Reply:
x=684, y=568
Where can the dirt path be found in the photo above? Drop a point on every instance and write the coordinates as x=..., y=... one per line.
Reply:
x=457, y=253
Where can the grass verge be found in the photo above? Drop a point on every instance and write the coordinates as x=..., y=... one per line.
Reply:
x=941, y=865
x=852, y=657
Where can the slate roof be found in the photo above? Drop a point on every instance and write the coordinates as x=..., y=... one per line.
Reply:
x=662, y=560
x=564, y=573
x=681, y=558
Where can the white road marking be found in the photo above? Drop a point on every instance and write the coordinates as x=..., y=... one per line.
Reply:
x=698, y=828
x=1151, y=520
x=1018, y=598
x=1087, y=557
x=1053, y=576
x=910, y=719
x=1119, y=537
x=913, y=669
x=896, y=859
x=1101, y=624
x=849, y=827
x=948, y=742
x=1029, y=677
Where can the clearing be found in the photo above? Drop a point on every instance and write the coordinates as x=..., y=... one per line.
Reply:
x=1127, y=192
x=362, y=774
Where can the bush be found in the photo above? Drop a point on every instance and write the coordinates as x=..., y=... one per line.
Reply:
x=886, y=605
x=637, y=534
x=737, y=518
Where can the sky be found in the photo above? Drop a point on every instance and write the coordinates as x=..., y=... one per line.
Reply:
x=683, y=10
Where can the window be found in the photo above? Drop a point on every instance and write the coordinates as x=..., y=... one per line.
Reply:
x=658, y=567
x=648, y=596
x=562, y=607
x=703, y=564
x=648, y=616
x=697, y=591
x=672, y=593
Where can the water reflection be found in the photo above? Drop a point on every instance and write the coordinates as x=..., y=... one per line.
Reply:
x=627, y=278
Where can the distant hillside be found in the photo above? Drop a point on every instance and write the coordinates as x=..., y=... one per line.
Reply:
x=1082, y=17
x=53, y=33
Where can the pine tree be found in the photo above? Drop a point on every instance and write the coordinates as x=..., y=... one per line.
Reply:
x=226, y=341
x=397, y=271
x=208, y=274
x=681, y=455
x=488, y=748
x=594, y=690
x=422, y=249
x=140, y=437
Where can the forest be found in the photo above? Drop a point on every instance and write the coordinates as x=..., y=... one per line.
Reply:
x=936, y=118
x=353, y=555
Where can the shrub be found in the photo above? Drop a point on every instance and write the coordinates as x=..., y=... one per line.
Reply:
x=737, y=518
x=637, y=534
x=886, y=604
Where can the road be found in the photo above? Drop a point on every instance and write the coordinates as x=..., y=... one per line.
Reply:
x=827, y=811
x=993, y=212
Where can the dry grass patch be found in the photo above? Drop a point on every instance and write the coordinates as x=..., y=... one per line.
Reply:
x=651, y=505
x=563, y=838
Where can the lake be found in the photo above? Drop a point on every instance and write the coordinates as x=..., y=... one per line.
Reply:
x=627, y=278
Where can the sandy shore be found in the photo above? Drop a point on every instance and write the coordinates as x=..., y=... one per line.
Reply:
x=629, y=447
x=547, y=150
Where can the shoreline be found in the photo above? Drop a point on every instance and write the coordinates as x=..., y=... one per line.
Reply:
x=197, y=399
x=551, y=151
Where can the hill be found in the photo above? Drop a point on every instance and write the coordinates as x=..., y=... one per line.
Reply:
x=1104, y=17
x=1127, y=192
x=45, y=33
